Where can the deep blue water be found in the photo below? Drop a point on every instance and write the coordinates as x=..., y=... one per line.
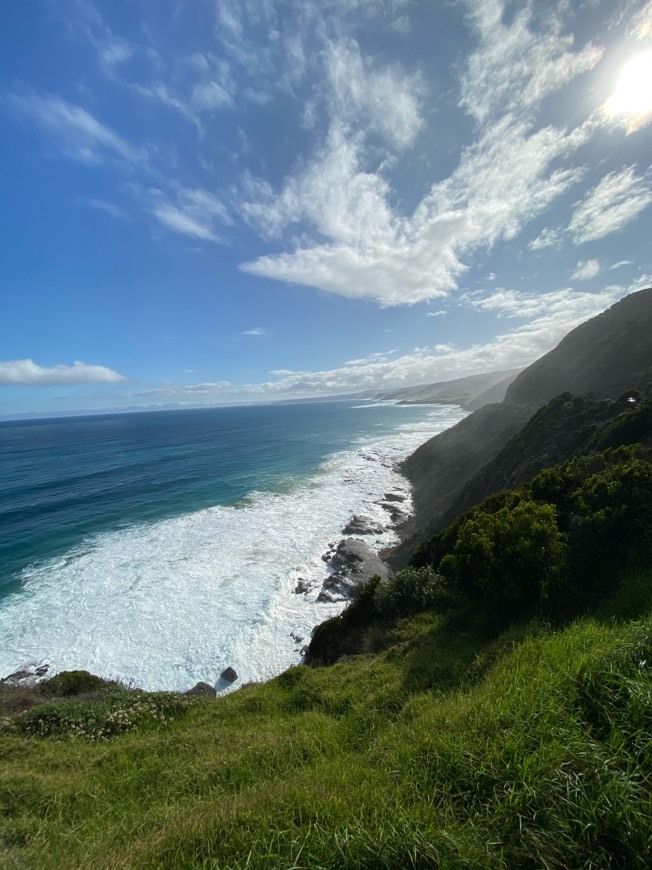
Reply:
x=160, y=547
x=64, y=479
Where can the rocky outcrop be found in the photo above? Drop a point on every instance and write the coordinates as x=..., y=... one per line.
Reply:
x=394, y=496
x=229, y=674
x=202, y=690
x=26, y=676
x=361, y=525
x=354, y=564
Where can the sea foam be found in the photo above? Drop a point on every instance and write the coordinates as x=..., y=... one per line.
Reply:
x=165, y=604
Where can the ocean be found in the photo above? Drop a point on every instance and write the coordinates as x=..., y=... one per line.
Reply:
x=161, y=547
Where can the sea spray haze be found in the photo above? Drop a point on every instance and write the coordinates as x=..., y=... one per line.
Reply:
x=161, y=547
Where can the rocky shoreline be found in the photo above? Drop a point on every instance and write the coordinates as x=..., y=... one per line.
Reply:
x=350, y=563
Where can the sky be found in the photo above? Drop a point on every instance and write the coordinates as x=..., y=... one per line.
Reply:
x=205, y=202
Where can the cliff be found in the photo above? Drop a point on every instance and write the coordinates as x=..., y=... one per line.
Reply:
x=505, y=445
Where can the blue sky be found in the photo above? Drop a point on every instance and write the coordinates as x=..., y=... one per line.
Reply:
x=210, y=201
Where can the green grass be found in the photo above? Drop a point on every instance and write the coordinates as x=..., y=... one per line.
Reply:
x=447, y=748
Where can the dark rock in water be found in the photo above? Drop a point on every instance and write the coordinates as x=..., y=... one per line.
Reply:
x=202, y=690
x=302, y=587
x=394, y=496
x=396, y=514
x=229, y=674
x=26, y=676
x=17, y=677
x=361, y=525
x=329, y=552
x=355, y=564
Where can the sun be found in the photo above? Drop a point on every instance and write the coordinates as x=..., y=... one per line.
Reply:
x=632, y=99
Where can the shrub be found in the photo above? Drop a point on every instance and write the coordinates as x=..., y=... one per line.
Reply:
x=511, y=558
x=411, y=591
x=604, y=503
x=340, y=635
x=70, y=683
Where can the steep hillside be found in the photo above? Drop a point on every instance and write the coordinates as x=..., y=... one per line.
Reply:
x=488, y=451
x=439, y=469
x=604, y=356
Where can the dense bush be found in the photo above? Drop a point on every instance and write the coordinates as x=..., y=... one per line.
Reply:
x=604, y=504
x=411, y=591
x=70, y=683
x=340, y=635
x=513, y=558
x=552, y=547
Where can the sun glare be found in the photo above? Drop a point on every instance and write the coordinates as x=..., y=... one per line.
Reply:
x=632, y=99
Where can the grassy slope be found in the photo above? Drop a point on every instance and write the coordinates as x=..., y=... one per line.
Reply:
x=446, y=748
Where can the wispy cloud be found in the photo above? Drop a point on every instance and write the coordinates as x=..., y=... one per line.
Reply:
x=28, y=373
x=547, y=238
x=502, y=181
x=193, y=212
x=372, y=358
x=517, y=65
x=585, y=270
x=78, y=133
x=385, y=100
x=549, y=316
x=109, y=208
x=257, y=330
x=616, y=200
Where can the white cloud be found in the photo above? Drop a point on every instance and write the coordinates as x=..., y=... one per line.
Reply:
x=566, y=304
x=641, y=23
x=109, y=208
x=440, y=313
x=114, y=53
x=621, y=263
x=257, y=330
x=548, y=238
x=81, y=136
x=211, y=95
x=550, y=317
x=194, y=213
x=372, y=358
x=28, y=373
x=617, y=199
x=585, y=270
x=502, y=181
x=386, y=99
x=208, y=392
x=160, y=92
x=515, y=66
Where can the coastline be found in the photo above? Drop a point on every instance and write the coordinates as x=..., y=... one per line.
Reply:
x=296, y=534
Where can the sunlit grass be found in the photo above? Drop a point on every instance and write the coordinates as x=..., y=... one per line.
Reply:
x=446, y=749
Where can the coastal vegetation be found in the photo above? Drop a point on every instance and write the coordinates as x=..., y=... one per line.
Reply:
x=454, y=745
x=487, y=706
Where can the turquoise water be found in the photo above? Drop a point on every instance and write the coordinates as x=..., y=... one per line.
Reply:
x=159, y=547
